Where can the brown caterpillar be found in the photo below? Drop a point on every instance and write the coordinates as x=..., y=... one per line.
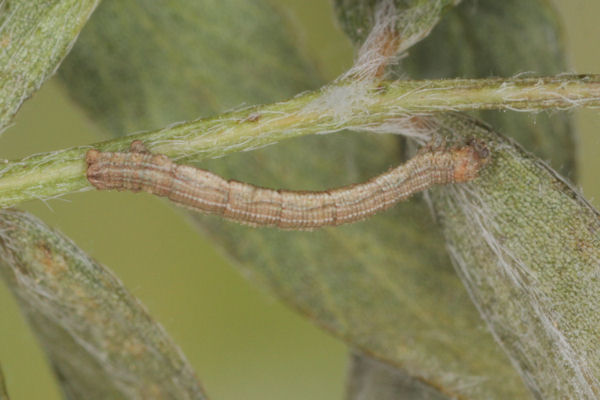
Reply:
x=204, y=191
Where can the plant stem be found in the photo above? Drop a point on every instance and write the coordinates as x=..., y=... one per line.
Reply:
x=341, y=105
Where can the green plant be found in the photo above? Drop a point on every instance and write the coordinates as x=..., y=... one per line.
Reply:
x=524, y=242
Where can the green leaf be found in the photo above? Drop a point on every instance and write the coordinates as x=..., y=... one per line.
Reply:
x=35, y=36
x=100, y=340
x=385, y=285
x=190, y=59
x=527, y=247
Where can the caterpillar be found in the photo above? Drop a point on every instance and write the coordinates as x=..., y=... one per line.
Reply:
x=201, y=190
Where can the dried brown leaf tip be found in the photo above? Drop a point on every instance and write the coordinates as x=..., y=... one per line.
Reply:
x=206, y=192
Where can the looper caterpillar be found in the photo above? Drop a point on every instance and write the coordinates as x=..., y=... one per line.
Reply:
x=201, y=190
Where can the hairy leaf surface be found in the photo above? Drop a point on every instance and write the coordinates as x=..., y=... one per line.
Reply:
x=35, y=36
x=490, y=38
x=100, y=340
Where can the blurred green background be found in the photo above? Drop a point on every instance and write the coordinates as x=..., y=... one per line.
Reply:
x=243, y=344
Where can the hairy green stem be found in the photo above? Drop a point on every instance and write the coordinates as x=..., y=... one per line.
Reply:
x=342, y=105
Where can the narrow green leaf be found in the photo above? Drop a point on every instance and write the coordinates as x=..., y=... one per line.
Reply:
x=527, y=247
x=35, y=36
x=487, y=38
x=100, y=340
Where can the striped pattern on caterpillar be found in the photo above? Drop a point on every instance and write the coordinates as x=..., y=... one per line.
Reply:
x=201, y=190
